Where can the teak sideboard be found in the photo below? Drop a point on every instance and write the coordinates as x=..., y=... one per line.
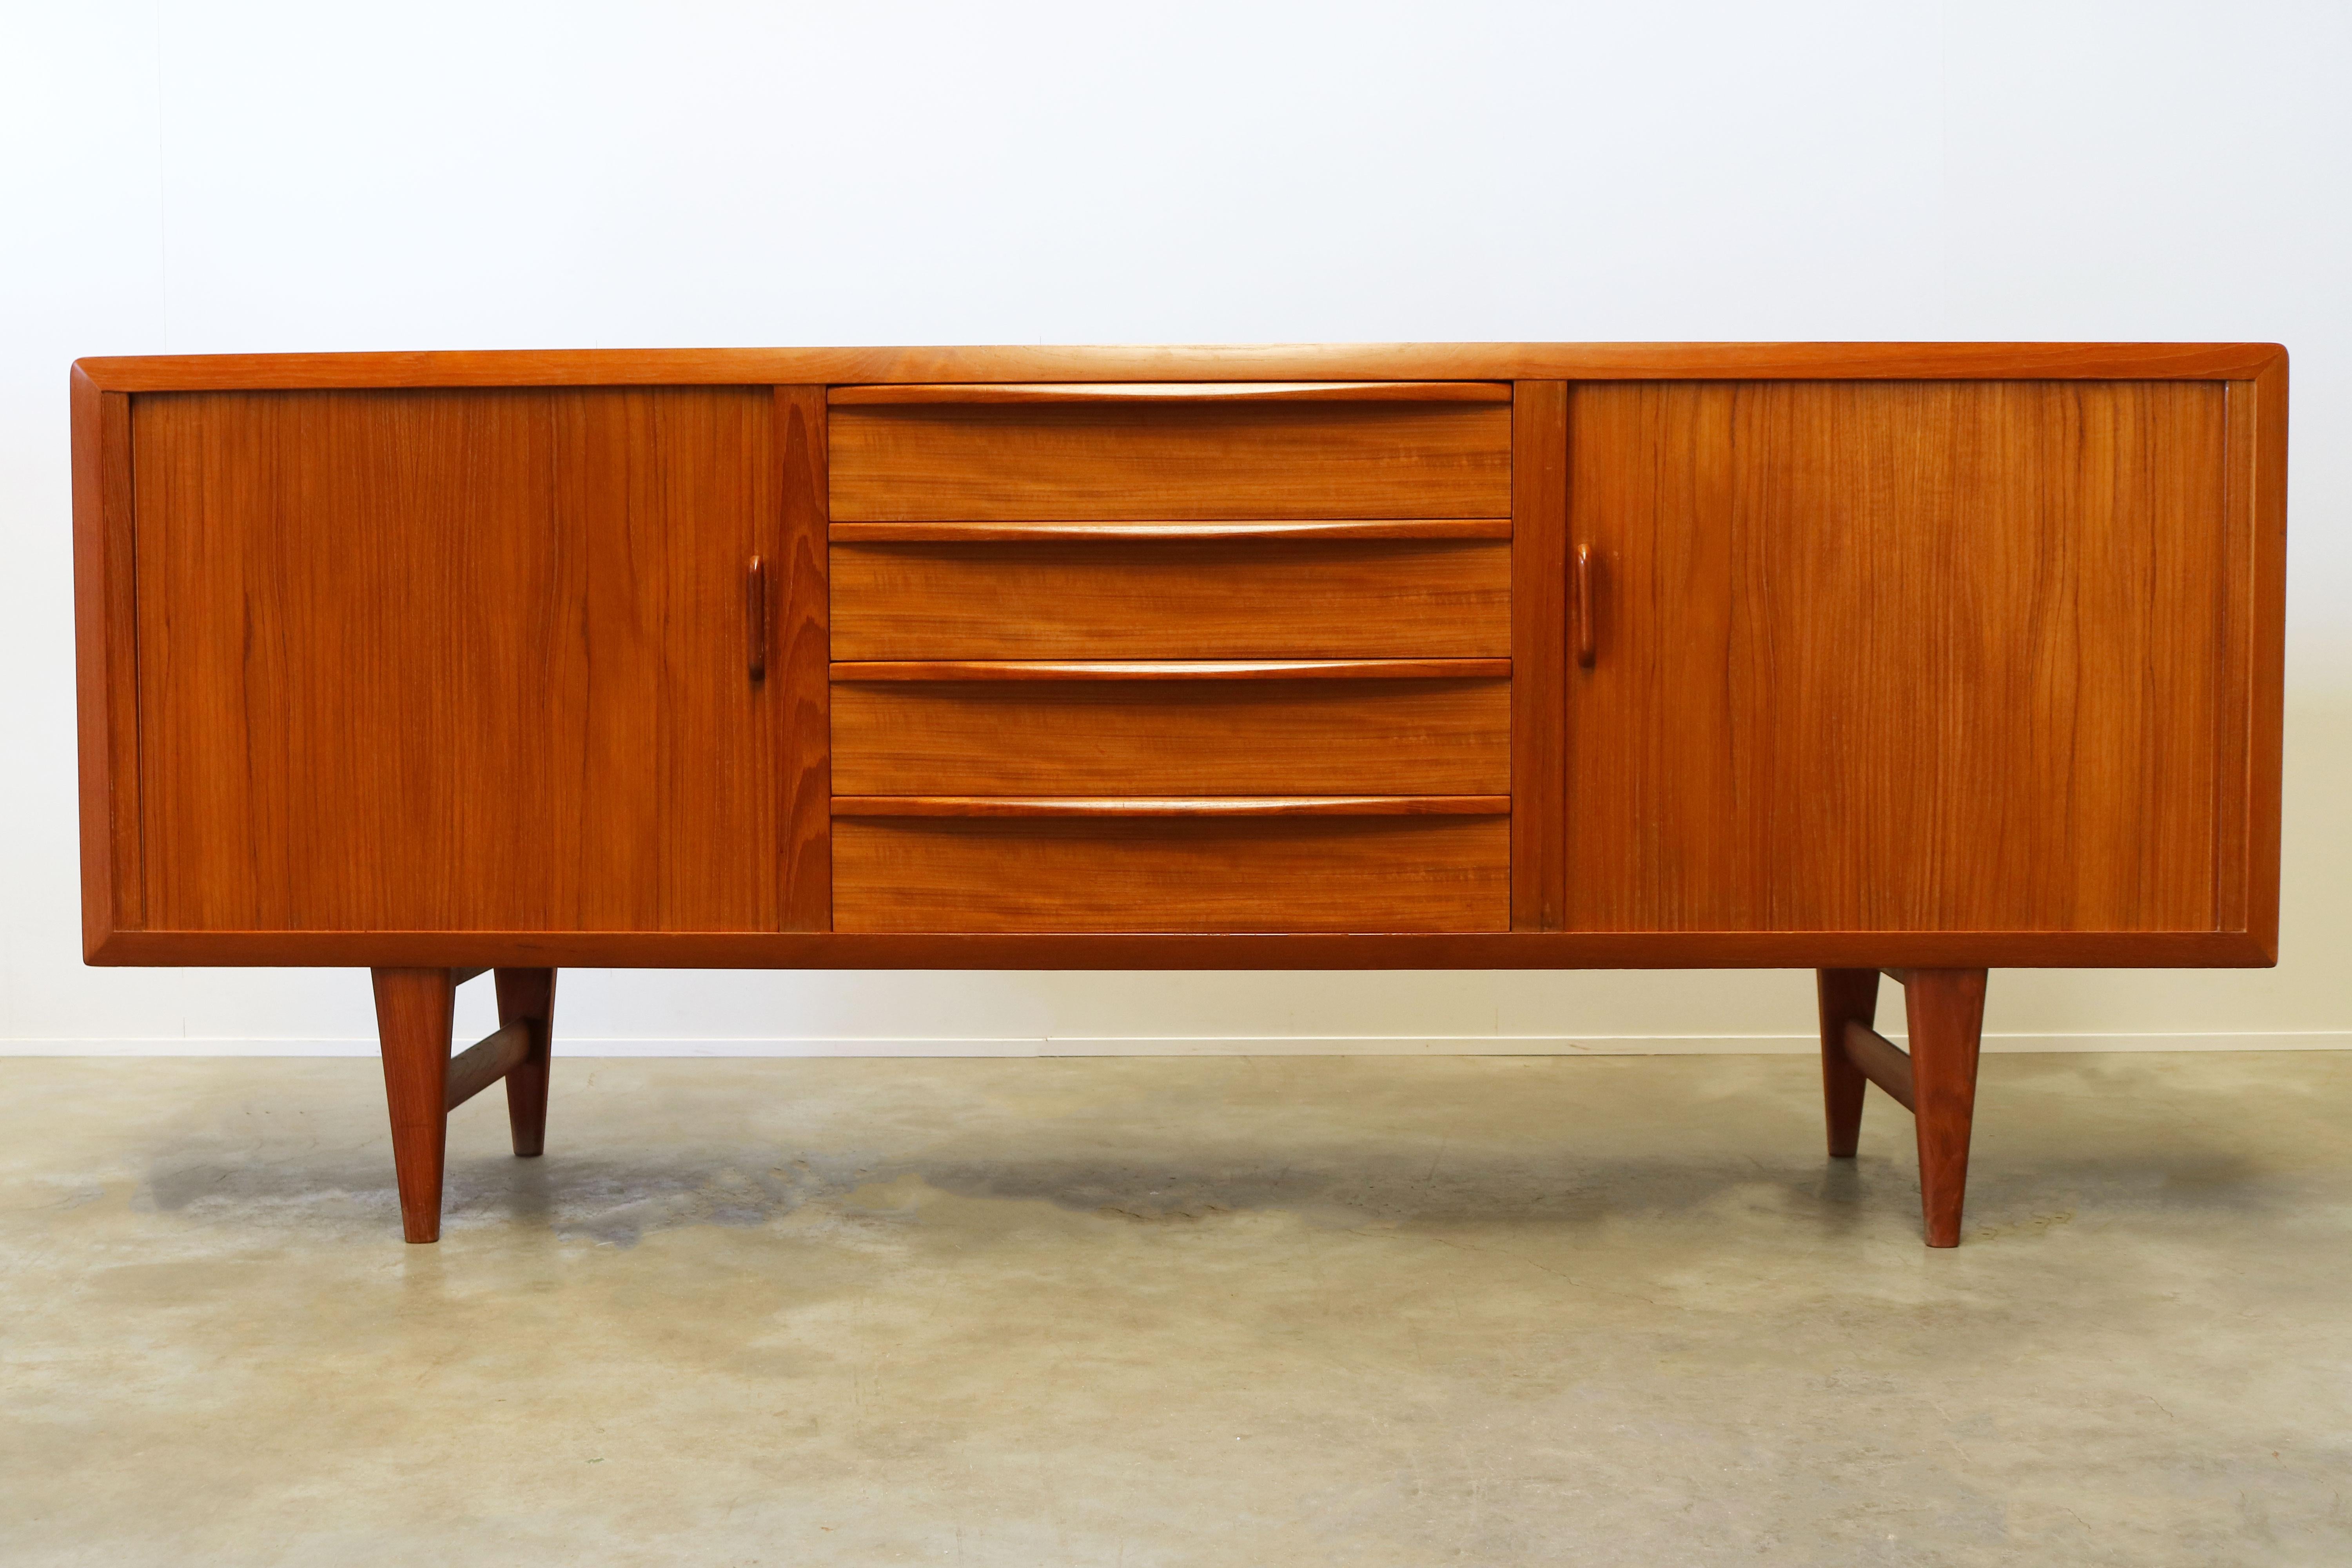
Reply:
x=1912, y=658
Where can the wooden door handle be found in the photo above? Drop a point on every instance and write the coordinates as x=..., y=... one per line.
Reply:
x=757, y=586
x=1586, y=644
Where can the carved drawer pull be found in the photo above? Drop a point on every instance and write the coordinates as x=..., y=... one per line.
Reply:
x=1586, y=647
x=758, y=589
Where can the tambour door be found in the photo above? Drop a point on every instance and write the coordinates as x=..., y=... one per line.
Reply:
x=472, y=660
x=1907, y=655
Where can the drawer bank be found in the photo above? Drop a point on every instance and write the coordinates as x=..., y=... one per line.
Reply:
x=1911, y=659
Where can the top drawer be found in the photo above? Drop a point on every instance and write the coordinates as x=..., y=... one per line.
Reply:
x=1175, y=451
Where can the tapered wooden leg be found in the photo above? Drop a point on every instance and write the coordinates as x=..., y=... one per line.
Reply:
x=414, y=1008
x=1946, y=1009
x=527, y=997
x=1845, y=994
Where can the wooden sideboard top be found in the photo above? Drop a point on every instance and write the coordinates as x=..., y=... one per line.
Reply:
x=1242, y=362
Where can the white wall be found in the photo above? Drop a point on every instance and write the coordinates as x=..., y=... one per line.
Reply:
x=240, y=176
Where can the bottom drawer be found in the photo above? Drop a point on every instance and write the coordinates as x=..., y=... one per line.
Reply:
x=1287, y=874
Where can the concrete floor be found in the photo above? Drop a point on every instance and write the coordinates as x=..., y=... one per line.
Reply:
x=1201, y=1312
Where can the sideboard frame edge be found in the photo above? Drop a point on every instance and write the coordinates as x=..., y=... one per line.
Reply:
x=1539, y=738
x=1183, y=950
x=805, y=738
x=106, y=663
x=1259, y=362
x=2266, y=661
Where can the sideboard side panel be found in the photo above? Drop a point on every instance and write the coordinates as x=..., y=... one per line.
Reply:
x=106, y=658
x=2250, y=878
x=1900, y=657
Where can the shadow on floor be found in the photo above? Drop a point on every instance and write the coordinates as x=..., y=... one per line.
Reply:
x=619, y=1198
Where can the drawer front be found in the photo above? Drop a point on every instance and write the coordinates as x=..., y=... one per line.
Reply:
x=1172, y=737
x=1313, y=874
x=920, y=463
x=1226, y=599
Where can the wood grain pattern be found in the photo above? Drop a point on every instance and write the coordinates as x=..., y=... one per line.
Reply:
x=1377, y=599
x=461, y=661
x=1132, y=669
x=970, y=532
x=106, y=662
x=1251, y=951
x=1898, y=657
x=527, y=997
x=1538, y=685
x=804, y=614
x=1340, y=873
x=1846, y=996
x=1222, y=805
x=485, y=1062
x=2234, y=728
x=2259, y=600
x=1178, y=392
x=1173, y=736
x=2244, y=769
x=1243, y=362
x=413, y=1009
x=1945, y=1010
x=1210, y=462
x=1883, y=1062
